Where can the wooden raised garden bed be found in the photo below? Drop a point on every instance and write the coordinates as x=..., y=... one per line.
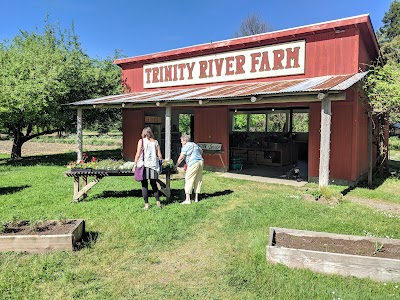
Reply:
x=43, y=237
x=347, y=255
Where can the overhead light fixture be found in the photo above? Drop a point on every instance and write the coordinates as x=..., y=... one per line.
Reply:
x=201, y=102
x=235, y=110
x=158, y=103
x=253, y=99
x=123, y=104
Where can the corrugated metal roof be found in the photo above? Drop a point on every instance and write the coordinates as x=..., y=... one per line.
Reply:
x=334, y=83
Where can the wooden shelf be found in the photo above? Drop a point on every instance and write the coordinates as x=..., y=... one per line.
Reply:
x=281, y=155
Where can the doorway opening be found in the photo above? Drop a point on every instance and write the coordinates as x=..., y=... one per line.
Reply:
x=270, y=142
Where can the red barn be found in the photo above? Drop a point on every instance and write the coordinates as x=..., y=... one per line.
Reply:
x=270, y=99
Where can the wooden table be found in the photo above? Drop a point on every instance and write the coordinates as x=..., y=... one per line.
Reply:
x=81, y=189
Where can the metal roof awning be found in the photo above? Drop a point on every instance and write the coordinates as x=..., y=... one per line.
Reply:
x=273, y=91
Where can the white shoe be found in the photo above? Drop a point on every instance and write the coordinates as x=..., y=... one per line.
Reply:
x=186, y=202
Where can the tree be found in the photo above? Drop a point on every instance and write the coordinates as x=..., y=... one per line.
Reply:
x=382, y=85
x=389, y=34
x=252, y=25
x=42, y=71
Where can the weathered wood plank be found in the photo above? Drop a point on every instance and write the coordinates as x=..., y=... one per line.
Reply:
x=375, y=268
x=85, y=189
x=42, y=242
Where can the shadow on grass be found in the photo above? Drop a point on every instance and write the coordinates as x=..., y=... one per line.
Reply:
x=177, y=195
x=378, y=178
x=12, y=189
x=88, y=240
x=59, y=159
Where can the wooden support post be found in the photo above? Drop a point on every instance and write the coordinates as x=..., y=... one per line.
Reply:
x=324, y=152
x=369, y=135
x=84, y=183
x=79, y=134
x=76, y=186
x=165, y=188
x=85, y=189
x=168, y=132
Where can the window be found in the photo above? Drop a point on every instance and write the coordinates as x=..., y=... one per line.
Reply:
x=239, y=122
x=300, y=121
x=184, y=123
x=278, y=121
x=257, y=122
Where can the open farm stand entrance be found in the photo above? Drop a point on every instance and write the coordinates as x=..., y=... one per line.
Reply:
x=271, y=101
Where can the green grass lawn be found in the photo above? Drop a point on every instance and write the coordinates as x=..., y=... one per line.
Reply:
x=215, y=249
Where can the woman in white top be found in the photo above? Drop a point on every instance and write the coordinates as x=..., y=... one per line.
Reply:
x=152, y=156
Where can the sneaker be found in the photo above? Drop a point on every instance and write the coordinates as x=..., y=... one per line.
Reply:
x=186, y=202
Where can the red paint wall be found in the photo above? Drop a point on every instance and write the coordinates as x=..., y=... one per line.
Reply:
x=343, y=47
x=327, y=53
x=211, y=125
x=132, y=126
x=314, y=139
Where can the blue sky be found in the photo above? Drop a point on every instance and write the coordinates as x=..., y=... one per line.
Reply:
x=144, y=27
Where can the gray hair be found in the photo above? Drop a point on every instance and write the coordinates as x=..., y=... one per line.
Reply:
x=185, y=137
x=147, y=132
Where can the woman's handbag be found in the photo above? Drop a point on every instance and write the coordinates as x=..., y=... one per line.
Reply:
x=140, y=170
x=139, y=173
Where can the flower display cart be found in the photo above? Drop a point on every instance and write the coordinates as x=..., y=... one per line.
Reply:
x=82, y=186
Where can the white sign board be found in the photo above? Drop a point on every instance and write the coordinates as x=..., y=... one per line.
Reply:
x=210, y=146
x=267, y=61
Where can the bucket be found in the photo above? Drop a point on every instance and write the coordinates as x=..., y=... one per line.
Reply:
x=236, y=163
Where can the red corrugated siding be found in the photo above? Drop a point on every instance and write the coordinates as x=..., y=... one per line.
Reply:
x=341, y=141
x=365, y=56
x=325, y=55
x=328, y=52
x=211, y=125
x=314, y=139
x=362, y=141
x=362, y=22
x=133, y=77
x=132, y=126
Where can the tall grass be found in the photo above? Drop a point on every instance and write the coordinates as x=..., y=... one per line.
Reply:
x=214, y=249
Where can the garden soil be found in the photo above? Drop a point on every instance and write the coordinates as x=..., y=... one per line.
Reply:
x=325, y=244
x=39, y=228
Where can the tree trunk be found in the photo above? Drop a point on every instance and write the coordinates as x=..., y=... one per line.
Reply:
x=16, y=152
x=20, y=139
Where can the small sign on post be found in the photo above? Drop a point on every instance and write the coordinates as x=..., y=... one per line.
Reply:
x=210, y=146
x=152, y=119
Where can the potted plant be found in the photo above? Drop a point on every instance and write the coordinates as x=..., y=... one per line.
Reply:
x=83, y=165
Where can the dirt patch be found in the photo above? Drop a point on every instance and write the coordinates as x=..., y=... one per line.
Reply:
x=40, y=228
x=376, y=204
x=31, y=148
x=325, y=244
x=321, y=200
